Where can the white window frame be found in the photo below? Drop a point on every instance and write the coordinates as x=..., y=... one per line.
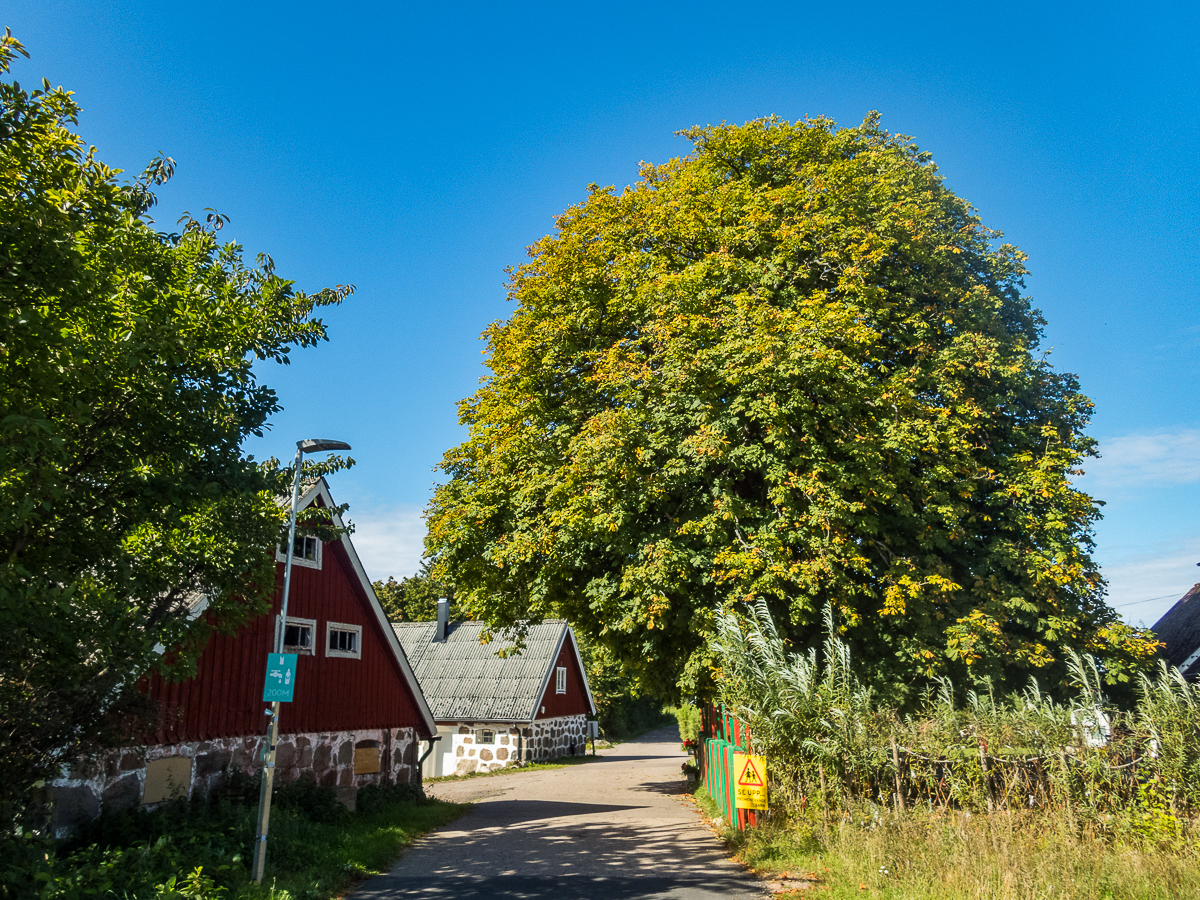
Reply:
x=331, y=627
x=560, y=680
x=311, y=624
x=297, y=559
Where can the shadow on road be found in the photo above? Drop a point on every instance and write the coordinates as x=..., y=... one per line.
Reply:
x=561, y=860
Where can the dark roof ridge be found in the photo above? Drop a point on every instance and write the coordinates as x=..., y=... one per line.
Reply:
x=1179, y=629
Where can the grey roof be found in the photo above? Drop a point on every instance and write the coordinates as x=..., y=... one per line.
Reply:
x=1180, y=630
x=465, y=681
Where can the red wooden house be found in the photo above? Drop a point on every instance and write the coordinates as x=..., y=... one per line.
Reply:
x=357, y=718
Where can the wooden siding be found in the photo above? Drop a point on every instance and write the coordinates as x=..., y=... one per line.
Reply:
x=331, y=694
x=574, y=702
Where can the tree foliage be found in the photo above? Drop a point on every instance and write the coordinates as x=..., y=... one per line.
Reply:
x=126, y=363
x=791, y=365
x=414, y=599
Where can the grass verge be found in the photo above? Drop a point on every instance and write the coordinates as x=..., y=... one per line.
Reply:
x=316, y=850
x=954, y=856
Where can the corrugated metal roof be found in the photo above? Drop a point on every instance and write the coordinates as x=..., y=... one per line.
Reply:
x=464, y=680
x=1179, y=629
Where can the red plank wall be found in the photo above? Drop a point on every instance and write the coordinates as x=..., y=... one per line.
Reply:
x=331, y=694
x=574, y=701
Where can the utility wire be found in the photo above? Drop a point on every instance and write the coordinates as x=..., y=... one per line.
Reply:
x=1136, y=602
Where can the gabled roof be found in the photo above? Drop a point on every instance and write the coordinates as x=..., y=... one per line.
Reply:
x=1179, y=629
x=465, y=680
x=308, y=494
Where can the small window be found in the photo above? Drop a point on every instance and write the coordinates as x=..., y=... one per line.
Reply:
x=560, y=680
x=484, y=736
x=343, y=640
x=298, y=636
x=307, y=551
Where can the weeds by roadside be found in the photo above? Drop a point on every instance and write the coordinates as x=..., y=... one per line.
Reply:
x=201, y=850
x=954, y=855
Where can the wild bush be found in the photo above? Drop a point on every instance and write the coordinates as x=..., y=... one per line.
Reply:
x=831, y=743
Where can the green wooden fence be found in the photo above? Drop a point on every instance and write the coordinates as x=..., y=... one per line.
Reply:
x=722, y=736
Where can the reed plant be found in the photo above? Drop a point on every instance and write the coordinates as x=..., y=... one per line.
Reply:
x=833, y=746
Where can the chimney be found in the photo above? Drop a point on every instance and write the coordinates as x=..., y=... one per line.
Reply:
x=443, y=623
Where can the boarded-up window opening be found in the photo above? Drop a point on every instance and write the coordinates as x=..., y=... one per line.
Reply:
x=167, y=779
x=366, y=760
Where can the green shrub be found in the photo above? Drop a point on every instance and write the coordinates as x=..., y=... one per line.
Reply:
x=834, y=746
x=202, y=849
x=689, y=719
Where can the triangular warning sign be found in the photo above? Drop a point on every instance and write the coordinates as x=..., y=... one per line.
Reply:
x=750, y=776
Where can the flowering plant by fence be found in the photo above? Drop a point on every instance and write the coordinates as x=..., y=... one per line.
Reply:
x=832, y=745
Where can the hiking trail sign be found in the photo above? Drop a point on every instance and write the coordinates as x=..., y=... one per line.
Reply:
x=750, y=784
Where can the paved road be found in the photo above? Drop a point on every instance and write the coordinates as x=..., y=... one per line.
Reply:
x=611, y=829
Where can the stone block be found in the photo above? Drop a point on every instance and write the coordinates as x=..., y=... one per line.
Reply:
x=460, y=751
x=212, y=763
x=348, y=797
x=485, y=754
x=73, y=806
x=131, y=761
x=322, y=758
x=502, y=753
x=123, y=793
x=466, y=766
x=285, y=755
x=346, y=753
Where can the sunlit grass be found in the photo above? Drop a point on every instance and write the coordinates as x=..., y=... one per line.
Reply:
x=956, y=856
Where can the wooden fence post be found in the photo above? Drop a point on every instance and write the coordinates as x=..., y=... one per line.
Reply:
x=824, y=794
x=987, y=783
x=899, y=786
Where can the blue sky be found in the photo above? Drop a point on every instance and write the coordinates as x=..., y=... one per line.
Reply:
x=416, y=151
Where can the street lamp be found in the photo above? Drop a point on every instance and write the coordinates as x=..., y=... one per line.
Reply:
x=268, y=779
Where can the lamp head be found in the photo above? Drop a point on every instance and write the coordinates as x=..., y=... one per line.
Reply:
x=316, y=445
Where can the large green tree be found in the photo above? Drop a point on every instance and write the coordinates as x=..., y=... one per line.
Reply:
x=415, y=598
x=790, y=365
x=126, y=391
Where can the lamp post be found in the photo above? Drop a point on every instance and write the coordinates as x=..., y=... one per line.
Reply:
x=268, y=752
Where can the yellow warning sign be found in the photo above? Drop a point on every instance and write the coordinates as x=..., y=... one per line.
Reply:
x=750, y=785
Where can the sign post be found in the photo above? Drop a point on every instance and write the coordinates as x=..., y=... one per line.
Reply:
x=750, y=785
x=281, y=667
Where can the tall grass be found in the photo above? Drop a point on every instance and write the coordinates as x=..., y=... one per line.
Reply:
x=820, y=725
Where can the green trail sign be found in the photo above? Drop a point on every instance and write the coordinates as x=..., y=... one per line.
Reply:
x=281, y=678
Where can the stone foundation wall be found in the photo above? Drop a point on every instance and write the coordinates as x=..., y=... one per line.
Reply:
x=545, y=739
x=561, y=736
x=342, y=759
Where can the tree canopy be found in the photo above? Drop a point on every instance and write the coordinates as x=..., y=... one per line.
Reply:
x=794, y=366
x=414, y=599
x=126, y=360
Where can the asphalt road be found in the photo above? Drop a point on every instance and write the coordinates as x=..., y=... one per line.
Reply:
x=615, y=828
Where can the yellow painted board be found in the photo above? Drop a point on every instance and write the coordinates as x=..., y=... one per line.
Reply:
x=750, y=781
x=366, y=760
x=167, y=779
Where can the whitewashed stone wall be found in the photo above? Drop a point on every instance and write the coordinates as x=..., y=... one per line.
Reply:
x=466, y=755
x=117, y=779
x=544, y=740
